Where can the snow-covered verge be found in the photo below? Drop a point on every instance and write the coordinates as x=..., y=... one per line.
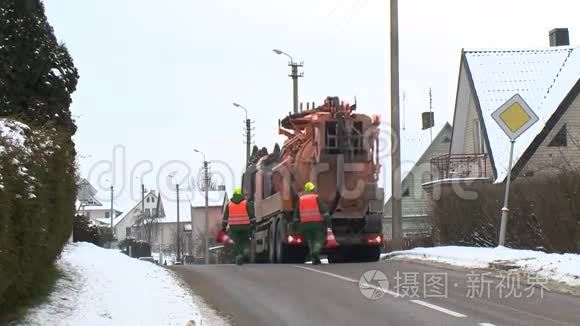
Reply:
x=105, y=287
x=558, y=267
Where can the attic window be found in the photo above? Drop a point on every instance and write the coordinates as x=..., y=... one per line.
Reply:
x=446, y=140
x=561, y=138
x=147, y=199
x=407, y=193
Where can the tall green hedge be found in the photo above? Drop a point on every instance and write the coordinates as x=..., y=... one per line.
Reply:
x=37, y=155
x=37, y=196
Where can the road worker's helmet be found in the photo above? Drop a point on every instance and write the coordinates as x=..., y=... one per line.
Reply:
x=309, y=187
x=238, y=192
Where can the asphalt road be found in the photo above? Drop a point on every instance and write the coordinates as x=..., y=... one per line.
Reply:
x=416, y=294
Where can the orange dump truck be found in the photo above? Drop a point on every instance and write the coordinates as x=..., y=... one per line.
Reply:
x=337, y=149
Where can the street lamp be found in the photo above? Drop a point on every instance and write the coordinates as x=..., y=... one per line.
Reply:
x=206, y=186
x=248, y=132
x=284, y=53
x=241, y=107
x=294, y=75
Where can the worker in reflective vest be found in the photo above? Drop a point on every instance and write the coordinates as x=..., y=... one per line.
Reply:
x=314, y=219
x=239, y=216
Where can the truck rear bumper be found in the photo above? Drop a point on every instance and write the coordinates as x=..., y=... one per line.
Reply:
x=366, y=239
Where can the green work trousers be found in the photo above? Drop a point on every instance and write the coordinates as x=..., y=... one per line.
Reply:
x=241, y=236
x=314, y=234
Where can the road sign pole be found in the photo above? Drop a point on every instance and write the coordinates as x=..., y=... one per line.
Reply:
x=505, y=210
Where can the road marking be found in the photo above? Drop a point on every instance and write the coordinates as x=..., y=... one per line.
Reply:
x=348, y=279
x=394, y=294
x=440, y=309
x=485, y=324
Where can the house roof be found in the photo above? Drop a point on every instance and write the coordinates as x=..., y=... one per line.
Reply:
x=119, y=218
x=543, y=77
x=105, y=207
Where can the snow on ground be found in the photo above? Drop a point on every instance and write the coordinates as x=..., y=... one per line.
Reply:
x=106, y=287
x=560, y=267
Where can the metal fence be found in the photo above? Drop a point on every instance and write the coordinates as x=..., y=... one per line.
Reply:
x=456, y=166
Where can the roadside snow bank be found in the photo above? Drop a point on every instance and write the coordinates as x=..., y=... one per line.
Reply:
x=560, y=267
x=105, y=287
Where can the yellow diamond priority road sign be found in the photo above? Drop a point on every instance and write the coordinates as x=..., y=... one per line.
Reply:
x=515, y=117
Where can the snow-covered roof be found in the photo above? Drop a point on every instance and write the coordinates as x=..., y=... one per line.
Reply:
x=119, y=218
x=104, y=207
x=543, y=77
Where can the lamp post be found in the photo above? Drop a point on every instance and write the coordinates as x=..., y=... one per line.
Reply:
x=112, y=211
x=248, y=132
x=294, y=75
x=178, y=242
x=206, y=186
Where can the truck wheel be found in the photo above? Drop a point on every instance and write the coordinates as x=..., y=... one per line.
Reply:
x=282, y=250
x=336, y=256
x=272, y=243
x=370, y=253
x=253, y=251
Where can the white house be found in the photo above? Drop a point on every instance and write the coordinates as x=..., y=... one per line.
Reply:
x=88, y=205
x=164, y=236
x=414, y=200
x=125, y=224
x=101, y=215
x=548, y=80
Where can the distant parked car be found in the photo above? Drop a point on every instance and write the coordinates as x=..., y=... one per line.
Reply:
x=149, y=259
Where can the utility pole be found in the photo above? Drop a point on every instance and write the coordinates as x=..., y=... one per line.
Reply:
x=178, y=245
x=142, y=199
x=430, y=112
x=248, y=140
x=294, y=75
x=206, y=182
x=395, y=134
x=206, y=179
x=112, y=211
x=248, y=132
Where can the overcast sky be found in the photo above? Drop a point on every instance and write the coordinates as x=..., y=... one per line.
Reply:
x=158, y=78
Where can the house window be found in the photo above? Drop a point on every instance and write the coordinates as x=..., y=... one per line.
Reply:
x=446, y=140
x=127, y=231
x=154, y=211
x=561, y=138
x=152, y=199
x=147, y=212
x=407, y=193
x=88, y=214
x=147, y=199
x=107, y=214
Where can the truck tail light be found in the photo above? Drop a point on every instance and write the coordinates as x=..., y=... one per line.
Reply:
x=375, y=239
x=294, y=239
